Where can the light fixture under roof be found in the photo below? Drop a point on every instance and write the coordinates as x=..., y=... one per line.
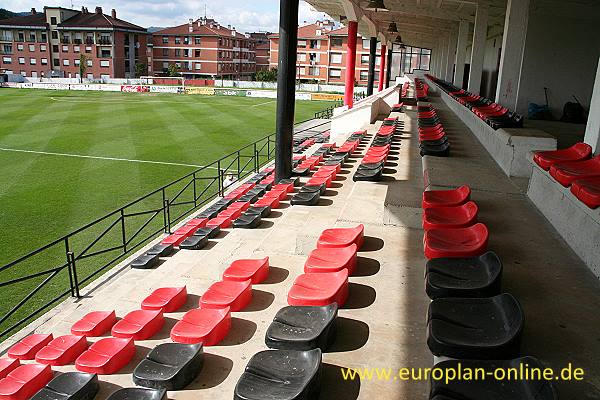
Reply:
x=399, y=39
x=392, y=28
x=376, y=5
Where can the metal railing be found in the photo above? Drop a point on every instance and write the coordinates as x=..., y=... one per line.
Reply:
x=328, y=112
x=36, y=281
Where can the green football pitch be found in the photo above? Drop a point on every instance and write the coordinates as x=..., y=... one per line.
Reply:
x=67, y=158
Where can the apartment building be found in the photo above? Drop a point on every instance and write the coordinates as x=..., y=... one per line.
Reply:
x=204, y=49
x=322, y=54
x=263, y=49
x=50, y=44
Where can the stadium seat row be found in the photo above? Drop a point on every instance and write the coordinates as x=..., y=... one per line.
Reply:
x=432, y=136
x=372, y=164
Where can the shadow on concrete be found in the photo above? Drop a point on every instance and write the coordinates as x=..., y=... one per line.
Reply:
x=367, y=267
x=241, y=331
x=215, y=370
x=276, y=275
x=261, y=300
x=335, y=387
x=372, y=244
x=351, y=335
x=360, y=296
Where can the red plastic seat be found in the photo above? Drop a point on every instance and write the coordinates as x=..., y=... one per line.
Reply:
x=288, y=187
x=139, y=325
x=450, y=217
x=106, y=356
x=231, y=213
x=281, y=194
x=202, y=325
x=321, y=173
x=167, y=299
x=446, y=198
x=588, y=191
x=577, y=152
x=27, y=348
x=239, y=205
x=62, y=351
x=319, y=180
x=221, y=222
x=232, y=294
x=332, y=260
x=319, y=289
x=255, y=270
x=337, y=168
x=272, y=202
x=7, y=365
x=568, y=172
x=456, y=242
x=25, y=381
x=426, y=137
x=186, y=230
x=342, y=237
x=95, y=323
x=174, y=239
x=197, y=223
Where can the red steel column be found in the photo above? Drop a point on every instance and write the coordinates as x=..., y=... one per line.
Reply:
x=350, y=63
x=382, y=66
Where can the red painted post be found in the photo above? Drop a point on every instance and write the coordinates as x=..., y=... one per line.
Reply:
x=350, y=64
x=382, y=66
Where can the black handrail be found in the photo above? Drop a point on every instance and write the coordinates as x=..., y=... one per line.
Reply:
x=92, y=248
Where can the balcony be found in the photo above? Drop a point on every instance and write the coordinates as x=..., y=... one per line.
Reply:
x=104, y=42
x=89, y=41
x=65, y=41
x=5, y=38
x=6, y=53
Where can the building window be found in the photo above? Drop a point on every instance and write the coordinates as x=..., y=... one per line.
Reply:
x=23, y=73
x=44, y=37
x=314, y=71
x=21, y=60
x=56, y=62
x=364, y=75
x=315, y=44
x=104, y=63
x=65, y=49
x=336, y=58
x=20, y=37
x=43, y=47
x=7, y=60
x=7, y=49
x=90, y=63
x=197, y=53
x=301, y=43
x=44, y=61
x=335, y=73
x=165, y=52
x=165, y=66
x=20, y=47
x=105, y=53
x=177, y=52
x=165, y=39
x=364, y=59
x=52, y=20
x=76, y=62
x=90, y=76
x=302, y=57
x=32, y=48
x=186, y=40
x=76, y=49
x=198, y=66
x=197, y=40
x=55, y=48
x=88, y=49
x=32, y=61
x=336, y=42
x=66, y=62
x=32, y=37
x=366, y=44
x=177, y=40
x=54, y=35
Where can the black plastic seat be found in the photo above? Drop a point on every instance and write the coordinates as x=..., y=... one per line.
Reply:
x=372, y=166
x=259, y=190
x=492, y=389
x=295, y=181
x=321, y=188
x=303, y=328
x=170, y=366
x=300, y=171
x=195, y=242
x=209, y=231
x=281, y=375
x=464, y=277
x=138, y=393
x=209, y=213
x=69, y=386
x=162, y=250
x=367, y=174
x=247, y=221
x=437, y=142
x=442, y=150
x=306, y=198
x=475, y=328
x=145, y=261
x=250, y=197
x=263, y=211
x=265, y=186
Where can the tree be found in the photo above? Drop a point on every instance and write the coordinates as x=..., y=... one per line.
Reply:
x=266, y=76
x=140, y=69
x=82, y=66
x=173, y=70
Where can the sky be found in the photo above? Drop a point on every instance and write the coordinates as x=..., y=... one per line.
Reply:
x=245, y=15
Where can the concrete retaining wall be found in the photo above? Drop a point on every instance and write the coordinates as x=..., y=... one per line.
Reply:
x=578, y=225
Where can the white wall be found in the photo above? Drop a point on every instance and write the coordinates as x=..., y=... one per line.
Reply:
x=489, y=77
x=561, y=53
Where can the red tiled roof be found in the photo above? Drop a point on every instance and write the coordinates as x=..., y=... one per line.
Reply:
x=38, y=19
x=310, y=32
x=199, y=29
x=339, y=32
x=98, y=20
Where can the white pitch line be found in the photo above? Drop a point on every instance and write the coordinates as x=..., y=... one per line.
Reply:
x=262, y=104
x=49, y=153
